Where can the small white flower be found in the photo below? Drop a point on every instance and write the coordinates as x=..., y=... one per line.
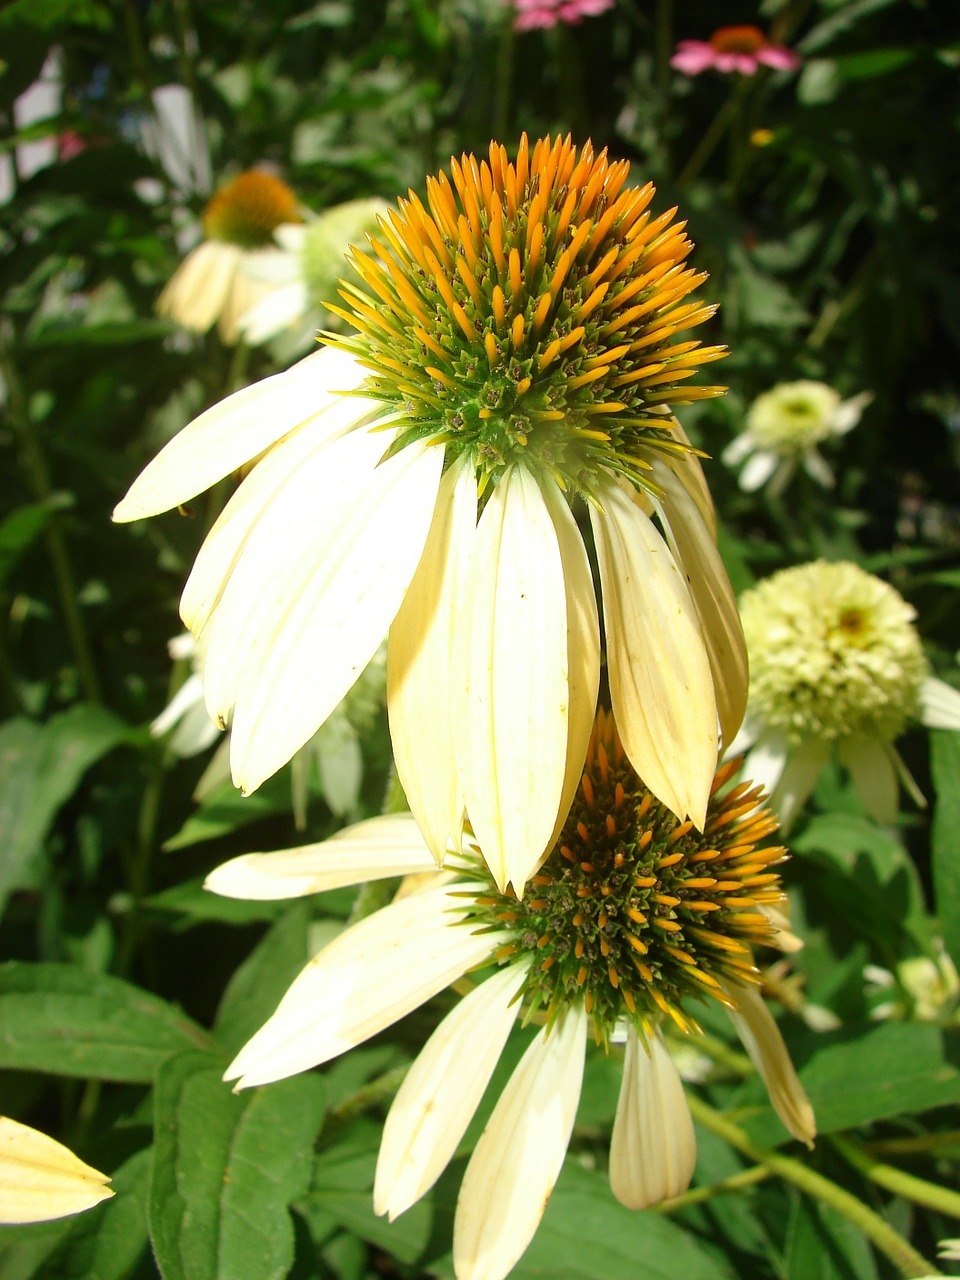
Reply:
x=784, y=428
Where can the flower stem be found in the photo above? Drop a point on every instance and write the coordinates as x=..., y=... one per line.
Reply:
x=884, y=1238
x=712, y=137
x=896, y=1180
x=697, y=1195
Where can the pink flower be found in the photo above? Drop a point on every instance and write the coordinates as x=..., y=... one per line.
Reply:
x=547, y=13
x=740, y=49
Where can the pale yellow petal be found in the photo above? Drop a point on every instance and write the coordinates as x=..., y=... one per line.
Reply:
x=372, y=974
x=518, y=1159
x=653, y=1149
x=660, y=681
x=237, y=429
x=425, y=681
x=688, y=469
x=40, y=1179
x=376, y=849
x=514, y=744
x=442, y=1090
x=195, y=295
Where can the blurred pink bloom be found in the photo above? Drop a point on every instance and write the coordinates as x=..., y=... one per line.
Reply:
x=740, y=49
x=547, y=13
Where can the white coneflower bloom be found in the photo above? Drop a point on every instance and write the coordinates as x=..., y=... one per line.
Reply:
x=784, y=428
x=505, y=401
x=835, y=665
x=225, y=275
x=305, y=273
x=40, y=1179
x=924, y=988
x=631, y=913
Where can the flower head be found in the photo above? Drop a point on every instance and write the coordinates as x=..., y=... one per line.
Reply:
x=634, y=914
x=835, y=661
x=40, y=1179
x=506, y=418
x=532, y=14
x=733, y=49
x=784, y=427
x=214, y=283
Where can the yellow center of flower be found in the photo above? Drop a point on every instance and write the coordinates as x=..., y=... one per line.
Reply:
x=634, y=910
x=528, y=314
x=248, y=210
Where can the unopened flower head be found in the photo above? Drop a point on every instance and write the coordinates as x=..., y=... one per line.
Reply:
x=506, y=418
x=833, y=652
x=630, y=915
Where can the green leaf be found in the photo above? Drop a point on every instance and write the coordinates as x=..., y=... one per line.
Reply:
x=192, y=905
x=822, y=1245
x=945, y=767
x=59, y=1019
x=227, y=810
x=226, y=1168
x=18, y=532
x=40, y=768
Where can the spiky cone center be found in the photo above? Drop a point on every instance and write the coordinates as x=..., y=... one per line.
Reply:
x=248, y=210
x=633, y=911
x=529, y=313
x=739, y=39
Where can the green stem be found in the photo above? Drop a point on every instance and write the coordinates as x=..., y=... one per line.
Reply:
x=697, y=1195
x=664, y=51
x=370, y=1095
x=888, y=1241
x=896, y=1180
x=504, y=81
x=921, y=1144
x=711, y=139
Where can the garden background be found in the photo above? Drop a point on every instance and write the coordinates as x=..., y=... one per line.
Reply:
x=824, y=203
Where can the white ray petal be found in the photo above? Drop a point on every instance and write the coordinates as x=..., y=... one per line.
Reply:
x=939, y=704
x=817, y=468
x=376, y=849
x=689, y=471
x=442, y=1090
x=758, y=470
x=323, y=623
x=660, y=681
x=514, y=746
x=804, y=764
x=425, y=681
x=520, y=1153
x=374, y=973
x=762, y=1040
x=653, y=1149
x=40, y=1179
x=874, y=775
x=738, y=448
x=765, y=764
x=277, y=311
x=695, y=547
x=198, y=288
x=237, y=429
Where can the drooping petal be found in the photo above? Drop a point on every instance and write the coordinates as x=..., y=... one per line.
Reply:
x=372, y=974
x=849, y=413
x=198, y=288
x=520, y=1154
x=442, y=1090
x=660, y=681
x=760, y=467
x=689, y=471
x=939, y=704
x=818, y=469
x=237, y=429
x=709, y=586
x=513, y=748
x=738, y=449
x=326, y=610
x=425, y=681
x=40, y=1179
x=874, y=776
x=803, y=767
x=653, y=1149
x=765, y=764
x=376, y=849
x=281, y=308
x=762, y=1040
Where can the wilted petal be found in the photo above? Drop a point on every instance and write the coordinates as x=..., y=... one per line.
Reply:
x=40, y=1179
x=373, y=850
x=660, y=681
x=425, y=681
x=237, y=429
x=512, y=752
x=762, y=1040
x=372, y=974
x=653, y=1149
x=442, y=1090
x=520, y=1154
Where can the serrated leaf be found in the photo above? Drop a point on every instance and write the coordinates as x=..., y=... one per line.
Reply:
x=226, y=1167
x=945, y=767
x=56, y=1018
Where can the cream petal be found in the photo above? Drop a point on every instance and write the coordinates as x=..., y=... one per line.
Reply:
x=653, y=1150
x=758, y=470
x=195, y=295
x=442, y=1090
x=320, y=635
x=245, y=292
x=376, y=849
x=274, y=313
x=817, y=468
x=689, y=471
x=849, y=413
x=40, y=1179
x=187, y=696
x=939, y=704
x=425, y=680
x=695, y=547
x=237, y=429
x=513, y=749
x=371, y=975
x=874, y=776
x=520, y=1153
x=804, y=765
x=767, y=761
x=762, y=1040
x=660, y=681
x=738, y=449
